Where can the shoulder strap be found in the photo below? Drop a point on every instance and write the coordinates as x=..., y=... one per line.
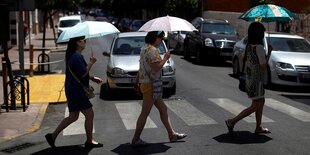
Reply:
x=74, y=76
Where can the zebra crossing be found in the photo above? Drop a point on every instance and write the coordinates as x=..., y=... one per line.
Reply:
x=191, y=116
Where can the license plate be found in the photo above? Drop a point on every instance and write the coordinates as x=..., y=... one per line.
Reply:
x=132, y=80
x=305, y=75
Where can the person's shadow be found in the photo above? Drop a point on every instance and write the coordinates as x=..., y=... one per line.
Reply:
x=72, y=149
x=152, y=148
x=242, y=137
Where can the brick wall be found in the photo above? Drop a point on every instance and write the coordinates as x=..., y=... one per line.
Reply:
x=243, y=5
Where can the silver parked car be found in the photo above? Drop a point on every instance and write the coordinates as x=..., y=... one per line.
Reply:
x=289, y=63
x=124, y=58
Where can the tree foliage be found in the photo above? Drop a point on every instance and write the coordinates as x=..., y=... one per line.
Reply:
x=69, y=5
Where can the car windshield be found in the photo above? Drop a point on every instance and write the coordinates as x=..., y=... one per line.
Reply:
x=132, y=46
x=289, y=44
x=68, y=23
x=218, y=28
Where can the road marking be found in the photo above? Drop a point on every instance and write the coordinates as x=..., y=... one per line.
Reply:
x=235, y=108
x=188, y=113
x=287, y=109
x=129, y=113
x=76, y=127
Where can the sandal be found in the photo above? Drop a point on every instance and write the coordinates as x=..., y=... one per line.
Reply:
x=177, y=136
x=229, y=127
x=139, y=143
x=264, y=131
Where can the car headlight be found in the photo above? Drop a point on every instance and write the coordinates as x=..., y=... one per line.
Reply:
x=209, y=42
x=285, y=66
x=168, y=70
x=117, y=72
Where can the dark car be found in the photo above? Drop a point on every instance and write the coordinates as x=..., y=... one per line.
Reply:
x=136, y=24
x=214, y=39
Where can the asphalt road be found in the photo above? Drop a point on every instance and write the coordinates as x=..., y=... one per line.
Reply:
x=206, y=95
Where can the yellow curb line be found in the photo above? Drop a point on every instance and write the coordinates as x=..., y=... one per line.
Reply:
x=35, y=126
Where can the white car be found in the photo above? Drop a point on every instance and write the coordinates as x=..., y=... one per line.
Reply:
x=124, y=58
x=67, y=22
x=289, y=63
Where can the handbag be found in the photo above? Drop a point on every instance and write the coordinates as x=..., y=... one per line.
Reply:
x=242, y=76
x=89, y=91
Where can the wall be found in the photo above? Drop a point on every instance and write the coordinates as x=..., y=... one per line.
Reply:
x=243, y=5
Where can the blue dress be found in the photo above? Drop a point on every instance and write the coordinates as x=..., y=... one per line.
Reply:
x=76, y=98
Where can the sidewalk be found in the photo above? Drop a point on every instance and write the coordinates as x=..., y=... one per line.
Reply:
x=44, y=89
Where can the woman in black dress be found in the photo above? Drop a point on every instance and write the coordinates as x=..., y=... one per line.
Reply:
x=76, y=99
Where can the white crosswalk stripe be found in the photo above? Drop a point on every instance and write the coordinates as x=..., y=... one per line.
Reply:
x=76, y=127
x=129, y=113
x=188, y=113
x=235, y=108
x=287, y=109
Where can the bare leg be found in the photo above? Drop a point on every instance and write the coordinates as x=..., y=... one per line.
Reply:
x=162, y=108
x=146, y=108
x=246, y=112
x=89, y=118
x=73, y=116
x=259, y=113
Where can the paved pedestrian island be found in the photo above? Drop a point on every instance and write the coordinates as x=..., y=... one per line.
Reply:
x=47, y=88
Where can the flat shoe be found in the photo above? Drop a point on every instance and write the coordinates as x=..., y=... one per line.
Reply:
x=140, y=143
x=264, y=131
x=49, y=139
x=229, y=127
x=92, y=145
x=177, y=136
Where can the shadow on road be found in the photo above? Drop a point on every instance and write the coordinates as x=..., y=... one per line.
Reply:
x=153, y=148
x=73, y=149
x=242, y=137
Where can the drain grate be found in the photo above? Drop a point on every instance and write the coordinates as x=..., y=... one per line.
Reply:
x=16, y=148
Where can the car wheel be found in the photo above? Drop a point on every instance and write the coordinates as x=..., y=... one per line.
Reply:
x=173, y=90
x=198, y=56
x=235, y=65
x=186, y=53
x=269, y=82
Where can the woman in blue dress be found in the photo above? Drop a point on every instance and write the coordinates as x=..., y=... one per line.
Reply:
x=76, y=99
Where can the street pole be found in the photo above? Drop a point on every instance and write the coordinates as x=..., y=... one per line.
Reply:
x=21, y=38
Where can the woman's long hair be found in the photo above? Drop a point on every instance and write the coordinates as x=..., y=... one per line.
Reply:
x=256, y=33
x=72, y=46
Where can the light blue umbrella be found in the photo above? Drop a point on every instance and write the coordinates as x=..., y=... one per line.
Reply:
x=89, y=29
x=268, y=13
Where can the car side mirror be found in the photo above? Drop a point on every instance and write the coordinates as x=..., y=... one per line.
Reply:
x=105, y=53
x=56, y=26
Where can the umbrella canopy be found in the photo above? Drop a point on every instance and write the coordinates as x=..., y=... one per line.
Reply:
x=167, y=23
x=268, y=13
x=89, y=29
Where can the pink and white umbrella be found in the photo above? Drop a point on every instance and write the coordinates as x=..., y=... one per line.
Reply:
x=167, y=23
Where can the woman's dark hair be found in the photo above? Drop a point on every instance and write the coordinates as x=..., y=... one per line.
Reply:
x=150, y=38
x=256, y=33
x=71, y=48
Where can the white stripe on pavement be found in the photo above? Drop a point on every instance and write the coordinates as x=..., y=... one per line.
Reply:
x=287, y=109
x=235, y=108
x=188, y=113
x=129, y=113
x=76, y=127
